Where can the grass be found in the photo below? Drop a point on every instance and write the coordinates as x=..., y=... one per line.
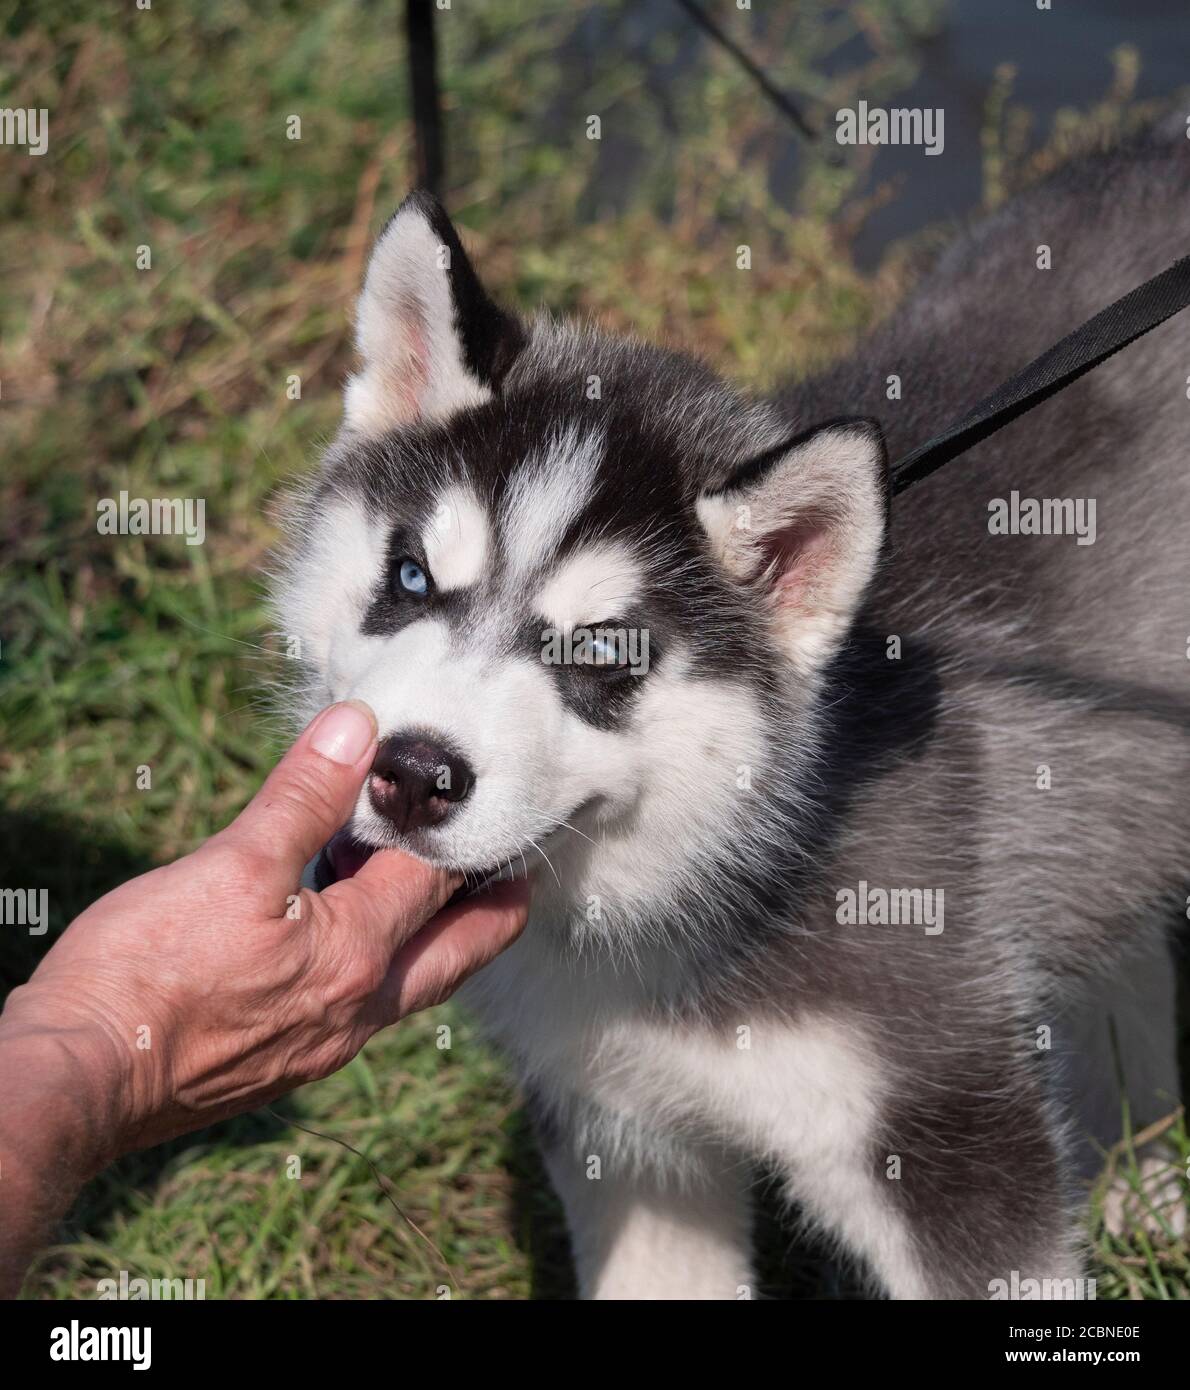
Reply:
x=1146, y=1256
x=168, y=130
x=262, y=1209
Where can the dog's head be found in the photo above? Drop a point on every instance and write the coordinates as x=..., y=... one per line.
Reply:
x=587, y=587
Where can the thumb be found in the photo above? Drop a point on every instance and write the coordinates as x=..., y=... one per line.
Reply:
x=309, y=794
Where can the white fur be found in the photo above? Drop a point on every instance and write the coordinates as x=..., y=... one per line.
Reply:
x=406, y=335
x=831, y=486
x=536, y=763
x=502, y=716
x=598, y=582
x=802, y=1095
x=674, y=773
x=635, y=1238
x=456, y=540
x=546, y=495
x=323, y=592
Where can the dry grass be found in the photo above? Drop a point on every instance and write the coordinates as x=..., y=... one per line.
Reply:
x=168, y=131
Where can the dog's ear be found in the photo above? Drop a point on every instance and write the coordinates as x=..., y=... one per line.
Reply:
x=803, y=524
x=431, y=340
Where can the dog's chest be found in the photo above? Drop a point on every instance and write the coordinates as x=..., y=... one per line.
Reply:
x=799, y=1092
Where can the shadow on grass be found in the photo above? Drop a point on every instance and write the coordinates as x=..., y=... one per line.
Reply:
x=539, y=1227
x=75, y=865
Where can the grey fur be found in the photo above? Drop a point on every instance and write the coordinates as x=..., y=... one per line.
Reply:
x=1017, y=652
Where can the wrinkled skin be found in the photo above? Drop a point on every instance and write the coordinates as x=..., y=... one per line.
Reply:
x=213, y=985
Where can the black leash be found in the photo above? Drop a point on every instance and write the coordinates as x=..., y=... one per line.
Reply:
x=754, y=71
x=1110, y=330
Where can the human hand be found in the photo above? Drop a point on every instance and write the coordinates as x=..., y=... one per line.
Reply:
x=213, y=985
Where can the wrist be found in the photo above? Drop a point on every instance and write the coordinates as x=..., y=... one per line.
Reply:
x=57, y=1130
x=61, y=1087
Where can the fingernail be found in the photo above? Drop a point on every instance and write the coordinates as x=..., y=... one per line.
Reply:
x=344, y=733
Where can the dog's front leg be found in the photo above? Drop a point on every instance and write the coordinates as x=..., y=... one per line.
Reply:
x=672, y=1227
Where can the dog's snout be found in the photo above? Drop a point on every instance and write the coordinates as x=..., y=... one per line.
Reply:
x=416, y=781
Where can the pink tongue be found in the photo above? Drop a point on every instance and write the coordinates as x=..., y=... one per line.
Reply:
x=346, y=855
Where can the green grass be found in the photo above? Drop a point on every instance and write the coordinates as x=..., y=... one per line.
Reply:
x=1146, y=1256
x=168, y=130
x=233, y=1207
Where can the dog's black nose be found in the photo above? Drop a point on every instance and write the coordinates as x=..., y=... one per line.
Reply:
x=416, y=782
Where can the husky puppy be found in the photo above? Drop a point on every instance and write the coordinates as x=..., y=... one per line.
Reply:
x=836, y=811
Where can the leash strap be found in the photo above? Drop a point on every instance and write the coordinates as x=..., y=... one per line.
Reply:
x=1110, y=330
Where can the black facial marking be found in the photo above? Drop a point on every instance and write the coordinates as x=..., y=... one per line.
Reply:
x=642, y=499
x=601, y=695
x=392, y=606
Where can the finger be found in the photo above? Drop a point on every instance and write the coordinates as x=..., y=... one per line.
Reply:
x=392, y=896
x=309, y=794
x=455, y=944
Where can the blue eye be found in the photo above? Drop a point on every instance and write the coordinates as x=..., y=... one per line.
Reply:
x=413, y=577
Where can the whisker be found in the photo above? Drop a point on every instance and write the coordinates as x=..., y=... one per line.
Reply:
x=560, y=823
x=546, y=857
